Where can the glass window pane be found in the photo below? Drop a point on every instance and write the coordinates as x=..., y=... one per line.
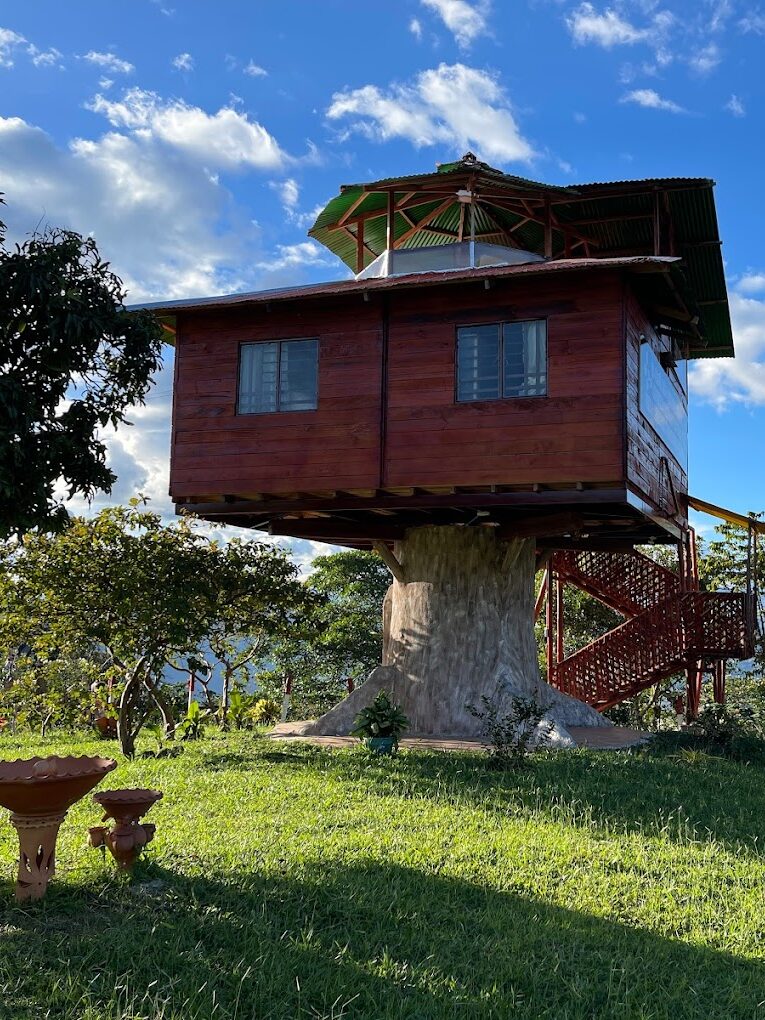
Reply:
x=298, y=375
x=258, y=370
x=478, y=362
x=524, y=359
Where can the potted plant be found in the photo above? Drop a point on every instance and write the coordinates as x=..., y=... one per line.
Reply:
x=380, y=725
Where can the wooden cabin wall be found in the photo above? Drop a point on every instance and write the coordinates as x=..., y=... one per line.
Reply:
x=653, y=472
x=216, y=452
x=574, y=434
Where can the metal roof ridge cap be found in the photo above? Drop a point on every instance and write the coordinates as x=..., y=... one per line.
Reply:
x=381, y=283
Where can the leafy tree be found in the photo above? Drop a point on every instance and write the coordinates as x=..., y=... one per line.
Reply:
x=143, y=592
x=346, y=641
x=38, y=692
x=250, y=616
x=74, y=360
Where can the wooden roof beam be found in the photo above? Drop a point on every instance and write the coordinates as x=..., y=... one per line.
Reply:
x=351, y=209
x=432, y=215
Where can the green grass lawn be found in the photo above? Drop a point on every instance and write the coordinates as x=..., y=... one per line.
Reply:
x=289, y=881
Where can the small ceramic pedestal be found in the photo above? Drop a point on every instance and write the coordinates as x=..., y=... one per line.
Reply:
x=128, y=836
x=37, y=853
x=39, y=792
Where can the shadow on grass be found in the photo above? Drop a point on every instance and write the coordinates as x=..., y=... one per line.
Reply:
x=624, y=791
x=365, y=941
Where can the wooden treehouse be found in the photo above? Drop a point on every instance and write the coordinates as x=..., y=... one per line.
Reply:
x=506, y=369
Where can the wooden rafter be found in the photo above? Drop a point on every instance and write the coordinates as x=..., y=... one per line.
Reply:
x=351, y=209
x=425, y=220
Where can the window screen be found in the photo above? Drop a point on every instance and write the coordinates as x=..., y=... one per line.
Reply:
x=278, y=376
x=502, y=360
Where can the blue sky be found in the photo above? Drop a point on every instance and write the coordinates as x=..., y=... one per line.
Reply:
x=197, y=140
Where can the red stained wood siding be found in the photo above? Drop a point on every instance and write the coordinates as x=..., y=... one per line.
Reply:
x=574, y=434
x=217, y=451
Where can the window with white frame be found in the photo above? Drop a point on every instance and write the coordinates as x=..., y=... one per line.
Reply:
x=278, y=375
x=502, y=359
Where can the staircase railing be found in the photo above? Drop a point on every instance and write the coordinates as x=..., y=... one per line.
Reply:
x=658, y=642
x=630, y=583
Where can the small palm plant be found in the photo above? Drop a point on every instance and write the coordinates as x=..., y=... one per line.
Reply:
x=192, y=727
x=380, y=724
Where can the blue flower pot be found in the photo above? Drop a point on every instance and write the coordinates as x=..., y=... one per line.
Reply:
x=381, y=745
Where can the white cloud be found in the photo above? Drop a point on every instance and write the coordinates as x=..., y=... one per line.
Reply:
x=753, y=21
x=289, y=256
x=721, y=12
x=167, y=225
x=288, y=192
x=455, y=105
x=227, y=139
x=706, y=59
x=609, y=28
x=735, y=106
x=105, y=83
x=752, y=283
x=183, y=62
x=45, y=58
x=415, y=28
x=739, y=380
x=109, y=61
x=9, y=43
x=466, y=21
x=255, y=70
x=651, y=99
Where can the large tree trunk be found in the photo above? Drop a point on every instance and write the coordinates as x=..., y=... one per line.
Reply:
x=459, y=629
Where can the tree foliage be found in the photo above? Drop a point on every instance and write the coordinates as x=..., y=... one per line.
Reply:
x=345, y=641
x=143, y=592
x=73, y=361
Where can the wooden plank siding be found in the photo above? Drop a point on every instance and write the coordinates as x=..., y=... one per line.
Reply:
x=574, y=434
x=217, y=451
x=425, y=438
x=650, y=463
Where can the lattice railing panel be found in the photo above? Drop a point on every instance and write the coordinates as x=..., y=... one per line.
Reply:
x=656, y=644
x=630, y=583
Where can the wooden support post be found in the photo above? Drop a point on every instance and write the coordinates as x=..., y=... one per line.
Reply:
x=359, y=246
x=549, y=638
x=390, y=561
x=694, y=674
x=694, y=565
x=558, y=619
x=391, y=237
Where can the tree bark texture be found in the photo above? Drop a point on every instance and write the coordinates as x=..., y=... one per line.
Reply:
x=459, y=629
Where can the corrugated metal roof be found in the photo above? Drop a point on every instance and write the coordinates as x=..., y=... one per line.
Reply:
x=606, y=219
x=638, y=264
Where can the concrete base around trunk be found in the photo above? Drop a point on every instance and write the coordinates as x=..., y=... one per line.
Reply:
x=610, y=738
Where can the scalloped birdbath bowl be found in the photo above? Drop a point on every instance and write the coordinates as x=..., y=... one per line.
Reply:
x=126, y=805
x=127, y=837
x=38, y=792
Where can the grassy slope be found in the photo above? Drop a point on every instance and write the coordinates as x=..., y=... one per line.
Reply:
x=298, y=882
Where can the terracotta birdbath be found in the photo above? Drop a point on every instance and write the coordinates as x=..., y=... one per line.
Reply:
x=128, y=836
x=38, y=792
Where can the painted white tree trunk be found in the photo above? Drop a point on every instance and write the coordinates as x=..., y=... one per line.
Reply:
x=462, y=627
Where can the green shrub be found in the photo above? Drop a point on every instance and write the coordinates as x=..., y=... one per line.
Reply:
x=508, y=736
x=265, y=712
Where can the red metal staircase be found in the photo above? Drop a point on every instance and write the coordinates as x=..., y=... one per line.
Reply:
x=670, y=626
